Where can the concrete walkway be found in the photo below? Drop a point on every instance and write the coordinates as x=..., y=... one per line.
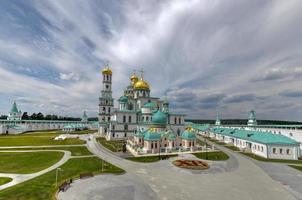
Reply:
x=19, y=178
x=239, y=178
x=44, y=146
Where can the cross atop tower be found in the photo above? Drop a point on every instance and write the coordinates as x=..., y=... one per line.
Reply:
x=107, y=63
x=142, y=73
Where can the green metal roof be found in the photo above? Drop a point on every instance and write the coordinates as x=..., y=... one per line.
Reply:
x=123, y=99
x=172, y=137
x=159, y=117
x=149, y=135
x=256, y=136
x=188, y=135
x=149, y=105
x=14, y=108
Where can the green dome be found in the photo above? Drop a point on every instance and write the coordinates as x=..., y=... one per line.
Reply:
x=172, y=137
x=149, y=105
x=123, y=99
x=188, y=135
x=152, y=136
x=159, y=118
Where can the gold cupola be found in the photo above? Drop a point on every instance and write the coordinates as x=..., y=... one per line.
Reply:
x=107, y=70
x=134, y=79
x=141, y=85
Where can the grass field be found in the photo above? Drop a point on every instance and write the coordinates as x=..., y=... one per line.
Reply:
x=4, y=180
x=114, y=146
x=75, y=150
x=44, y=187
x=79, y=132
x=212, y=155
x=36, y=139
x=148, y=159
x=29, y=162
x=271, y=160
x=296, y=167
x=232, y=148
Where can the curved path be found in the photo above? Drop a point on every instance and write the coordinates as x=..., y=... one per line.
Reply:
x=19, y=178
x=238, y=178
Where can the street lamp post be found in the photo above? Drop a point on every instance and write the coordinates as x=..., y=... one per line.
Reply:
x=57, y=170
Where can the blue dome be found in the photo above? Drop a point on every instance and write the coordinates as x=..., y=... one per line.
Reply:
x=152, y=136
x=188, y=135
x=159, y=118
x=123, y=99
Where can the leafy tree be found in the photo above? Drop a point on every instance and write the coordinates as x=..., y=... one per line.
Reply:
x=25, y=116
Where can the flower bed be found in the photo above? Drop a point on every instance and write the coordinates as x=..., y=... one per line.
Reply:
x=191, y=164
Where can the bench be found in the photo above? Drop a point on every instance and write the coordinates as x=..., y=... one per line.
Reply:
x=86, y=175
x=64, y=186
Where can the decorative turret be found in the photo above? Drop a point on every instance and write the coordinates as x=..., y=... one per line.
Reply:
x=166, y=106
x=14, y=114
x=84, y=117
x=252, y=119
x=159, y=118
x=217, y=122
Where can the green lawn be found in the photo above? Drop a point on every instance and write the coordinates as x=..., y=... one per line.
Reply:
x=26, y=163
x=36, y=139
x=271, y=160
x=75, y=150
x=114, y=146
x=148, y=159
x=212, y=155
x=4, y=180
x=232, y=148
x=44, y=187
x=296, y=167
x=79, y=132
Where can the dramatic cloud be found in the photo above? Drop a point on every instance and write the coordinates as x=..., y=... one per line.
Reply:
x=205, y=56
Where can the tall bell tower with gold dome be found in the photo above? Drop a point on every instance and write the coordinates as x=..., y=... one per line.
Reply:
x=106, y=100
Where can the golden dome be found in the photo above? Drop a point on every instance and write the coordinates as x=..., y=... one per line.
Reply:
x=141, y=84
x=107, y=71
x=134, y=78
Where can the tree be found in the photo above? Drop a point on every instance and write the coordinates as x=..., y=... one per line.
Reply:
x=25, y=116
x=33, y=116
x=40, y=116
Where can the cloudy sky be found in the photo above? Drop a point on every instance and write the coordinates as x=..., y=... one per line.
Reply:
x=204, y=55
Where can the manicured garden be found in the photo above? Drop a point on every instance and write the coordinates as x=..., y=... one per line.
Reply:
x=251, y=155
x=114, y=146
x=4, y=180
x=44, y=186
x=148, y=159
x=29, y=162
x=36, y=139
x=212, y=155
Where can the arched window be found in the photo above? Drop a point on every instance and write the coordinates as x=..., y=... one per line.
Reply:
x=287, y=151
x=274, y=150
x=129, y=119
x=281, y=151
x=126, y=127
x=178, y=132
x=179, y=120
x=109, y=109
x=175, y=120
x=147, y=118
x=124, y=118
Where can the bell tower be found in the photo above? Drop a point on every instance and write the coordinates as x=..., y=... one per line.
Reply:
x=106, y=100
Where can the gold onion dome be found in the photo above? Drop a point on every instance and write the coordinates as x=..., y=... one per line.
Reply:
x=107, y=71
x=141, y=84
x=134, y=78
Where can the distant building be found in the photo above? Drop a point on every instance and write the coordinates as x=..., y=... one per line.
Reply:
x=252, y=119
x=14, y=114
x=217, y=122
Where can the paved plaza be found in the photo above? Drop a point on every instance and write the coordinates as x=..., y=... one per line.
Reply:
x=236, y=178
